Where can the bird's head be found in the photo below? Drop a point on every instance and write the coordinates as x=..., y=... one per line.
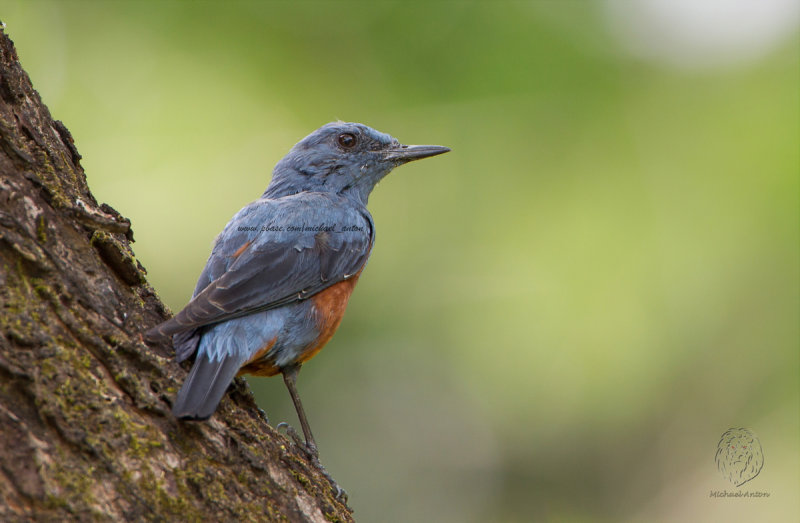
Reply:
x=343, y=158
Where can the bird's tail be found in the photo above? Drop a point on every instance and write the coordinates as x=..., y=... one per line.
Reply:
x=204, y=387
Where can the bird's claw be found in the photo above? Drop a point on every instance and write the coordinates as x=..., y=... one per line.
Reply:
x=292, y=434
x=313, y=455
x=341, y=494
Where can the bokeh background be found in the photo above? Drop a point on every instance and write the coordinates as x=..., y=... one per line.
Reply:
x=562, y=316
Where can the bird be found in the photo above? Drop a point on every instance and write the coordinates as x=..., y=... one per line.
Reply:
x=280, y=274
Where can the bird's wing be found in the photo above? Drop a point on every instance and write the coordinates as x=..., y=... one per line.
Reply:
x=252, y=269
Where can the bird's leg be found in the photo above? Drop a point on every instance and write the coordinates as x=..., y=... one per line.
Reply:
x=290, y=379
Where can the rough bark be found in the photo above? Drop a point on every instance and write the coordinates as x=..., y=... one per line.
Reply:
x=85, y=426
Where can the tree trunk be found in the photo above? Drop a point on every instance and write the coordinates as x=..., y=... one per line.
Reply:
x=86, y=431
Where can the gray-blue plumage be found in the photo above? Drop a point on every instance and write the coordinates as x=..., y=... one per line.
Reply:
x=254, y=303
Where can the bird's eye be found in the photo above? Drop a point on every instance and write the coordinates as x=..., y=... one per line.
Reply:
x=347, y=140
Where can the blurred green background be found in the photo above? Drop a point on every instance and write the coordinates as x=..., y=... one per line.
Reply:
x=560, y=317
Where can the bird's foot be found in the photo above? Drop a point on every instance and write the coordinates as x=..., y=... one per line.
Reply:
x=340, y=493
x=312, y=453
x=293, y=434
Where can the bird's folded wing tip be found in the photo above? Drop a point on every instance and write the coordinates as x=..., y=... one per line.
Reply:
x=156, y=334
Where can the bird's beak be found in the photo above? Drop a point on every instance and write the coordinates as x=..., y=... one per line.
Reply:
x=408, y=153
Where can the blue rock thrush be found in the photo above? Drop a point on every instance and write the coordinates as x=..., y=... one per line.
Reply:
x=276, y=285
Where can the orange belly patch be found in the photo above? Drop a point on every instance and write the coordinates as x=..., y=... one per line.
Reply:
x=258, y=365
x=329, y=307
